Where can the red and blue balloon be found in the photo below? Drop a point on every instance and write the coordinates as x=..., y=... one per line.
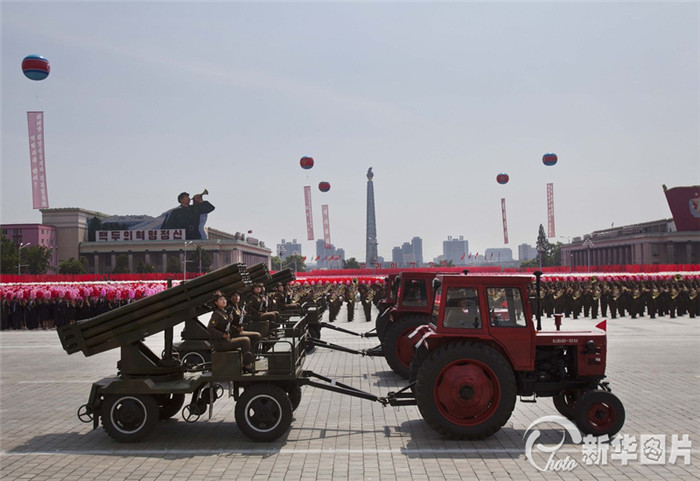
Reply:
x=502, y=178
x=549, y=159
x=306, y=162
x=35, y=67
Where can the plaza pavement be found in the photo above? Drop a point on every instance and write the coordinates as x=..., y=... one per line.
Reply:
x=653, y=367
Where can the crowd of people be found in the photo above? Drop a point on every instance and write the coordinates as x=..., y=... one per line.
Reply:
x=49, y=306
x=593, y=297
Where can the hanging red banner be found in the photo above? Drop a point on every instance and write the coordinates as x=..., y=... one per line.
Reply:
x=550, y=210
x=505, y=223
x=40, y=195
x=326, y=227
x=309, y=216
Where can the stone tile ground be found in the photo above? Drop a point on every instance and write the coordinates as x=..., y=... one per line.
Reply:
x=653, y=366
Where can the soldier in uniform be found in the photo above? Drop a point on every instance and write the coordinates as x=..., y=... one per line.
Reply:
x=366, y=296
x=280, y=300
x=257, y=317
x=221, y=339
x=350, y=303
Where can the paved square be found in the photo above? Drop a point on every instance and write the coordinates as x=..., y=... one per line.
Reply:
x=653, y=366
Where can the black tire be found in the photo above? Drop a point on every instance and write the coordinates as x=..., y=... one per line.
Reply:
x=397, y=348
x=129, y=418
x=169, y=405
x=599, y=413
x=315, y=333
x=193, y=358
x=381, y=323
x=466, y=390
x=263, y=412
x=565, y=402
x=294, y=394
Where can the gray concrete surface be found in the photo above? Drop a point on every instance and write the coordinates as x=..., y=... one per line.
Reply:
x=653, y=366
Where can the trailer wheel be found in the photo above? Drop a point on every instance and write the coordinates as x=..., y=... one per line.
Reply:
x=263, y=412
x=565, y=402
x=465, y=390
x=599, y=413
x=315, y=333
x=169, y=405
x=129, y=418
x=192, y=359
x=397, y=347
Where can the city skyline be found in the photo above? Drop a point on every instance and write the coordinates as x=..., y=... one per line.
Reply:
x=439, y=98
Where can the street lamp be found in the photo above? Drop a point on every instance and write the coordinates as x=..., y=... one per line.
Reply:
x=568, y=253
x=588, y=243
x=281, y=253
x=184, y=261
x=22, y=245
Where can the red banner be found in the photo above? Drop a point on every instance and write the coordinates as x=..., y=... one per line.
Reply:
x=40, y=195
x=505, y=223
x=326, y=227
x=685, y=207
x=550, y=211
x=309, y=216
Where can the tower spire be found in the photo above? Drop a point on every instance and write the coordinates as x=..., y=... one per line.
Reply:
x=371, y=239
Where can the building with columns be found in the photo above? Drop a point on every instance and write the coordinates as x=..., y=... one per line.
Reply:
x=73, y=239
x=656, y=242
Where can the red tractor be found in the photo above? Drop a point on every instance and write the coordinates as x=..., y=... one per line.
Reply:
x=413, y=294
x=482, y=349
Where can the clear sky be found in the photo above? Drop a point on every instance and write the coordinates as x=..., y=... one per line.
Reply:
x=147, y=99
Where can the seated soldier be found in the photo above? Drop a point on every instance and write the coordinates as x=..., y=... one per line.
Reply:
x=237, y=316
x=281, y=301
x=256, y=312
x=221, y=340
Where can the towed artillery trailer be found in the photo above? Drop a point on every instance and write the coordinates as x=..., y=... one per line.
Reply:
x=149, y=388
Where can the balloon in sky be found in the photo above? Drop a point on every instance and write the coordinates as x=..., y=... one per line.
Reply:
x=324, y=186
x=306, y=162
x=502, y=178
x=549, y=159
x=35, y=67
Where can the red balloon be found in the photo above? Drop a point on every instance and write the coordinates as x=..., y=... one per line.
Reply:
x=502, y=178
x=324, y=186
x=306, y=162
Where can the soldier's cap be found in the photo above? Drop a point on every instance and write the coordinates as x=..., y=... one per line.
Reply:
x=279, y=284
x=215, y=296
x=234, y=293
x=182, y=194
x=258, y=284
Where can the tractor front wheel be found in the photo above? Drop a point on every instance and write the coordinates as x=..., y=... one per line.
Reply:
x=565, y=402
x=599, y=413
x=466, y=390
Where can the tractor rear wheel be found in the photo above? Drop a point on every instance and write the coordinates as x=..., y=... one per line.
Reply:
x=381, y=323
x=397, y=347
x=129, y=418
x=466, y=390
x=263, y=412
x=599, y=413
